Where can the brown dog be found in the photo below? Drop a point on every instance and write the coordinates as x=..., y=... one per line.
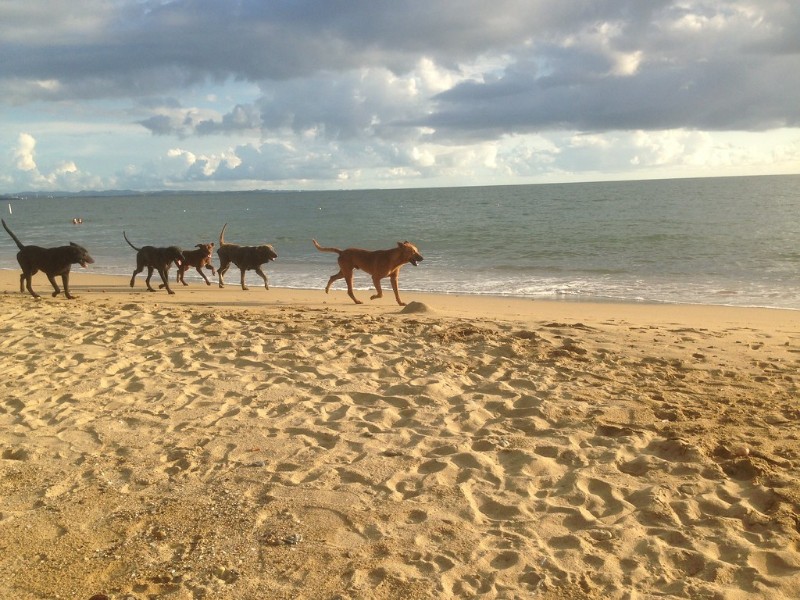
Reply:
x=198, y=259
x=159, y=259
x=378, y=263
x=245, y=257
x=50, y=261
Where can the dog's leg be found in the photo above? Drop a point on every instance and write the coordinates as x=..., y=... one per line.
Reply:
x=178, y=278
x=147, y=281
x=139, y=268
x=244, y=285
x=263, y=276
x=52, y=281
x=394, y=278
x=376, y=280
x=28, y=279
x=333, y=278
x=223, y=268
x=211, y=267
x=181, y=273
x=349, y=279
x=165, y=278
x=203, y=275
x=65, y=283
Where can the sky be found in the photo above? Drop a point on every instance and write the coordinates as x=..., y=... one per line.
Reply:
x=359, y=94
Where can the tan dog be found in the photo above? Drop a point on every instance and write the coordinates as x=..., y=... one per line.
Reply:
x=199, y=259
x=378, y=263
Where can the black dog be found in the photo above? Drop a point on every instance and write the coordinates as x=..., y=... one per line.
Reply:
x=155, y=258
x=50, y=261
x=244, y=257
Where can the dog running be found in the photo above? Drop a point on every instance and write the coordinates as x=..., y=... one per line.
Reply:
x=247, y=258
x=199, y=259
x=50, y=261
x=378, y=263
x=156, y=258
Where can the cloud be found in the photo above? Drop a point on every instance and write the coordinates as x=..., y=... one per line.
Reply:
x=204, y=166
x=359, y=89
x=708, y=71
x=24, y=153
x=64, y=174
x=613, y=65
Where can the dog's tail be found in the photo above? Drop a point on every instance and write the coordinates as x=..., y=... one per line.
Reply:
x=323, y=249
x=129, y=242
x=13, y=237
x=222, y=235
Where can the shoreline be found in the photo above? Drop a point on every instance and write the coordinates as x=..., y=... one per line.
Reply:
x=220, y=443
x=93, y=287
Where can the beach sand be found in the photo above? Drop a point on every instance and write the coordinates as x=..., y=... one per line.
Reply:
x=287, y=444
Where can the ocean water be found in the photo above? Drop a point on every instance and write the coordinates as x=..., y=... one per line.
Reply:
x=719, y=241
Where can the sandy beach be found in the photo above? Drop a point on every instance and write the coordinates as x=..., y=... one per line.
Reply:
x=221, y=443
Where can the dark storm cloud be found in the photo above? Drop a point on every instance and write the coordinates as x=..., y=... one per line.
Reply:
x=584, y=65
x=694, y=96
x=149, y=47
x=714, y=70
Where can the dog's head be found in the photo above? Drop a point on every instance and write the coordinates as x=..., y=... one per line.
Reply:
x=175, y=255
x=410, y=252
x=267, y=253
x=80, y=255
x=206, y=249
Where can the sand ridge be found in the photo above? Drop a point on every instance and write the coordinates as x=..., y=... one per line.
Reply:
x=301, y=450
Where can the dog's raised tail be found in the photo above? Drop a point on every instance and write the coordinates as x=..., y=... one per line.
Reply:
x=13, y=237
x=129, y=242
x=222, y=235
x=324, y=249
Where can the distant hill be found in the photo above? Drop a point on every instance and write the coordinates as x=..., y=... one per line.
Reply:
x=114, y=193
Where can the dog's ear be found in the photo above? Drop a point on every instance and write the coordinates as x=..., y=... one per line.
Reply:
x=199, y=246
x=211, y=244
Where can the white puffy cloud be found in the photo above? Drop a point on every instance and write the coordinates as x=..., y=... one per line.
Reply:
x=24, y=154
x=64, y=175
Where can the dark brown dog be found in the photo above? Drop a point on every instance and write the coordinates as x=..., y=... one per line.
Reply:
x=156, y=258
x=50, y=261
x=199, y=259
x=378, y=263
x=245, y=257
